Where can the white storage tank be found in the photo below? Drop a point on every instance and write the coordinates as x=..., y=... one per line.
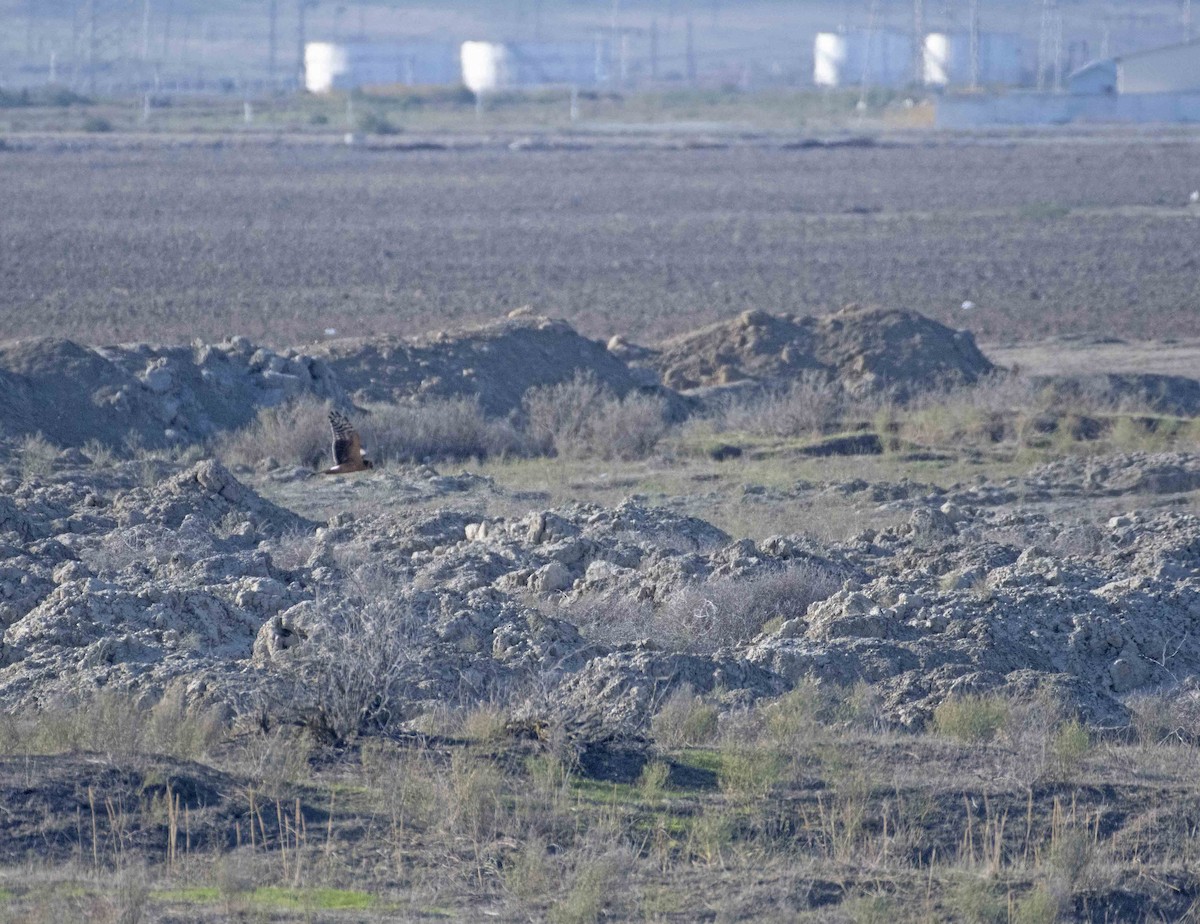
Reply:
x=491, y=66
x=350, y=65
x=876, y=58
x=947, y=59
x=485, y=67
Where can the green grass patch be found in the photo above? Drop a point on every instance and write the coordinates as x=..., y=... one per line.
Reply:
x=602, y=792
x=319, y=899
x=6, y=895
x=701, y=759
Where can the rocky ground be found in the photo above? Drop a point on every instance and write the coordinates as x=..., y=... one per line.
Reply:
x=989, y=586
x=361, y=609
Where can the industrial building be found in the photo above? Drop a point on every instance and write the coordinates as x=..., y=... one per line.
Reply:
x=982, y=59
x=1170, y=69
x=352, y=65
x=1160, y=85
x=873, y=58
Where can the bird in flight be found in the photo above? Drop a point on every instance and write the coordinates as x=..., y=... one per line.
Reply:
x=347, y=447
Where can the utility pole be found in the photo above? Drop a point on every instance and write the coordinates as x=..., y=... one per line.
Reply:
x=1044, y=45
x=872, y=22
x=91, y=47
x=301, y=41
x=166, y=43
x=691, y=53
x=654, y=49
x=145, y=31
x=974, y=26
x=30, y=17
x=272, y=40
x=918, y=41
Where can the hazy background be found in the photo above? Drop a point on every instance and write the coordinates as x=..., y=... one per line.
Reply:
x=227, y=45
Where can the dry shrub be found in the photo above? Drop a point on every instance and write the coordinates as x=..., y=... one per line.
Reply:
x=296, y=433
x=1166, y=718
x=37, y=455
x=452, y=428
x=684, y=720
x=348, y=677
x=731, y=611
x=812, y=404
x=704, y=617
x=583, y=419
x=972, y=719
x=113, y=722
x=986, y=412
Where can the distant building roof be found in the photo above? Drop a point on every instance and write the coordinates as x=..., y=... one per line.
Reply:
x=1167, y=69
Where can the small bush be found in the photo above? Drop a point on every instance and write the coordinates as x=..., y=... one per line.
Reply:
x=485, y=724
x=976, y=901
x=704, y=617
x=712, y=834
x=37, y=455
x=684, y=720
x=100, y=454
x=731, y=611
x=812, y=404
x=1042, y=905
x=1070, y=744
x=794, y=718
x=971, y=719
x=293, y=434
x=653, y=779
x=582, y=419
x=349, y=676
x=749, y=773
x=1165, y=719
x=594, y=887
x=453, y=428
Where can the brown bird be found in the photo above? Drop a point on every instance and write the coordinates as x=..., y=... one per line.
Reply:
x=347, y=447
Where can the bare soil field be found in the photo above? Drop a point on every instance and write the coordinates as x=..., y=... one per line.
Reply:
x=105, y=241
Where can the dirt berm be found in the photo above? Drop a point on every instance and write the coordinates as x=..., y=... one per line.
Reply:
x=146, y=395
x=153, y=396
x=496, y=362
x=867, y=349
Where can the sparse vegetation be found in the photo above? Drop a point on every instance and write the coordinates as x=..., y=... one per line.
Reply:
x=296, y=433
x=469, y=823
x=582, y=419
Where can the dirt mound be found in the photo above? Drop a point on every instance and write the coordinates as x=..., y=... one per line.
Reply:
x=150, y=395
x=867, y=349
x=496, y=363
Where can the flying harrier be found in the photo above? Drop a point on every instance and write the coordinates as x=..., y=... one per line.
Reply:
x=347, y=447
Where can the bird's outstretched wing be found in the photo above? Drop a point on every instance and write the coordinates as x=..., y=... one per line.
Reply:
x=347, y=447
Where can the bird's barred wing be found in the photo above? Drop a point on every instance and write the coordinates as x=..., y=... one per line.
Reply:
x=346, y=445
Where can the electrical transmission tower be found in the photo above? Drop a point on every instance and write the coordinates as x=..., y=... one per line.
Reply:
x=1050, y=47
x=918, y=41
